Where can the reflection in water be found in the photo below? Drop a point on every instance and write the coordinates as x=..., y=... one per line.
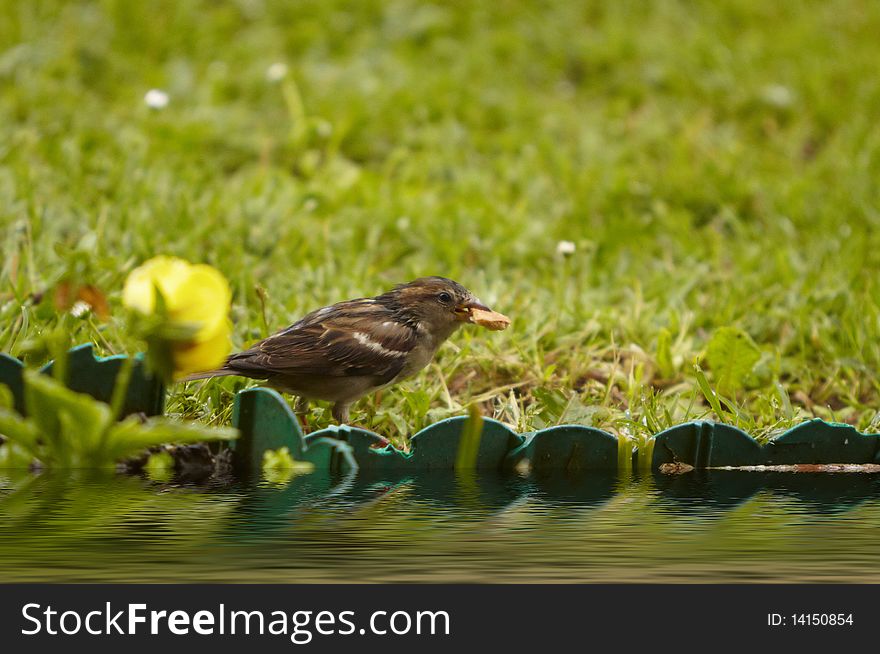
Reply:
x=706, y=493
x=701, y=526
x=713, y=491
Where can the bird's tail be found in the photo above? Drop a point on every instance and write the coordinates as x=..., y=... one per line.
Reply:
x=221, y=372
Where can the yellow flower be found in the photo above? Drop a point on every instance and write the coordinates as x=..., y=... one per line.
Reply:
x=196, y=301
x=199, y=356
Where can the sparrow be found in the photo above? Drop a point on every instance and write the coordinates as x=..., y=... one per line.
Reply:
x=344, y=351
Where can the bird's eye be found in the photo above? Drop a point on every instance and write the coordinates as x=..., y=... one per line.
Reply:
x=445, y=298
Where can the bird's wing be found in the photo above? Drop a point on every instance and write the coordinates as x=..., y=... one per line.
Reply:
x=356, y=338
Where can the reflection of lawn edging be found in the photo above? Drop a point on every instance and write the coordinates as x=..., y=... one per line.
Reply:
x=713, y=492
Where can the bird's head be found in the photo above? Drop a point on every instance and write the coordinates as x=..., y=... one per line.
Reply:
x=438, y=304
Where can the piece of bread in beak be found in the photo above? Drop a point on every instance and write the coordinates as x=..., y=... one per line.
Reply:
x=490, y=319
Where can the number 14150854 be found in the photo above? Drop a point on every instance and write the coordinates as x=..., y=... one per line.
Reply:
x=810, y=620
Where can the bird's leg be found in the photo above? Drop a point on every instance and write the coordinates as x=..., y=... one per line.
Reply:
x=301, y=409
x=340, y=412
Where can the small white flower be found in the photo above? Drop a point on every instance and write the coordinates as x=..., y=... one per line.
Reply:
x=777, y=95
x=276, y=72
x=80, y=308
x=156, y=99
x=323, y=128
x=565, y=248
x=310, y=205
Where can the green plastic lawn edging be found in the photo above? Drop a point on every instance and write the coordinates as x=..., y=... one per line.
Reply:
x=714, y=445
x=563, y=448
x=95, y=376
x=266, y=422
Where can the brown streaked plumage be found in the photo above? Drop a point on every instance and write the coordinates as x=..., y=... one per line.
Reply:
x=347, y=350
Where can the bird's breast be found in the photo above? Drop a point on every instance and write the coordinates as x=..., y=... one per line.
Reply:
x=419, y=357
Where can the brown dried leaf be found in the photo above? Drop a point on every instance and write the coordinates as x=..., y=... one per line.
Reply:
x=93, y=296
x=677, y=468
x=62, y=298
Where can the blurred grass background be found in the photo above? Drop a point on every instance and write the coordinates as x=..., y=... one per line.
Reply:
x=712, y=165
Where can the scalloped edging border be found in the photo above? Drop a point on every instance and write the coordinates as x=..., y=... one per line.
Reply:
x=266, y=422
x=558, y=449
x=714, y=445
x=95, y=376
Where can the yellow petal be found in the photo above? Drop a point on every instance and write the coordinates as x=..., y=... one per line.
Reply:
x=208, y=354
x=166, y=273
x=201, y=298
x=196, y=295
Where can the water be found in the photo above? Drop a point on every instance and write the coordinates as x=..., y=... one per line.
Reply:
x=698, y=527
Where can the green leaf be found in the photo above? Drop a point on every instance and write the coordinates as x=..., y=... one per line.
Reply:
x=67, y=429
x=578, y=413
x=552, y=402
x=131, y=437
x=19, y=431
x=469, y=444
x=279, y=467
x=70, y=423
x=12, y=455
x=707, y=391
x=664, y=354
x=731, y=354
x=787, y=409
x=159, y=466
x=6, y=399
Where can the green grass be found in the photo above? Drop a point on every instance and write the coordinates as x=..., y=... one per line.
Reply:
x=715, y=164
